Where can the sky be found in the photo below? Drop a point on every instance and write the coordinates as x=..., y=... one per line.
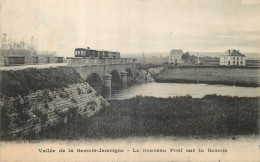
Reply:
x=134, y=26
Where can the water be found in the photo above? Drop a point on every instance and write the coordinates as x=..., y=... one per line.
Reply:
x=182, y=89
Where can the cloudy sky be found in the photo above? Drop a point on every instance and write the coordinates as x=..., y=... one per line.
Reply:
x=134, y=26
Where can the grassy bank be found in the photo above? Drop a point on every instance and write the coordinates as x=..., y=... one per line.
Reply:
x=22, y=82
x=209, y=117
x=247, y=77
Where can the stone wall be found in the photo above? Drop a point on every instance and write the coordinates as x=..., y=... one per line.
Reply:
x=31, y=113
x=83, y=61
x=101, y=70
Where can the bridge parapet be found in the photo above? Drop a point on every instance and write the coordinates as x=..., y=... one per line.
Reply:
x=105, y=73
x=81, y=61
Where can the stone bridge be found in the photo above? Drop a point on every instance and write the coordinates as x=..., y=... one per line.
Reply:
x=105, y=74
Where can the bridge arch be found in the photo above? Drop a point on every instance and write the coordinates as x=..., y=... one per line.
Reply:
x=95, y=81
x=130, y=76
x=115, y=79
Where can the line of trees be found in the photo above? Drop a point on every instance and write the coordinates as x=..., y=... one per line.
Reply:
x=187, y=58
x=8, y=44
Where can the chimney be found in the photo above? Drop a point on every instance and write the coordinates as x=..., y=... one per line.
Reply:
x=229, y=51
x=238, y=50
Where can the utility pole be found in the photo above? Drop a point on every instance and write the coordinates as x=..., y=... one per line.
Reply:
x=143, y=58
x=197, y=58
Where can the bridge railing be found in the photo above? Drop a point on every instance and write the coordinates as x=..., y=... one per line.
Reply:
x=80, y=61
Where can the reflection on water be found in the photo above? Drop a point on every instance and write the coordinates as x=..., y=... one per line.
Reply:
x=181, y=89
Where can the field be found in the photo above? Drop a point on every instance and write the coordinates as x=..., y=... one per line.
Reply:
x=248, y=77
x=209, y=117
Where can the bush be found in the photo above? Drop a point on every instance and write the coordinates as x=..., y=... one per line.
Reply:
x=62, y=114
x=208, y=117
x=44, y=118
x=56, y=111
x=149, y=116
x=24, y=81
x=46, y=106
x=38, y=112
x=5, y=120
x=64, y=94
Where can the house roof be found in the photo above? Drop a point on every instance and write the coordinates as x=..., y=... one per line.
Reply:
x=233, y=52
x=176, y=51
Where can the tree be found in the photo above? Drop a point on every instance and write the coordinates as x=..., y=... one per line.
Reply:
x=186, y=57
x=3, y=41
x=10, y=44
x=22, y=44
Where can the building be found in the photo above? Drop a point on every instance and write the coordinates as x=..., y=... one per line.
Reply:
x=233, y=58
x=25, y=57
x=176, y=57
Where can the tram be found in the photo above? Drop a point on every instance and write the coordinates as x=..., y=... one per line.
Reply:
x=87, y=52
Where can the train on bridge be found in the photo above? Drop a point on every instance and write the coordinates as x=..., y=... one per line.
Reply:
x=87, y=52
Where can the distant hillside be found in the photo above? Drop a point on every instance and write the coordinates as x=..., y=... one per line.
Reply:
x=201, y=54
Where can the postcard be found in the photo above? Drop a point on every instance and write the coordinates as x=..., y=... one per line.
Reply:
x=129, y=80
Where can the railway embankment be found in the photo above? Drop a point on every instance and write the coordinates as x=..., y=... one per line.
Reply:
x=32, y=100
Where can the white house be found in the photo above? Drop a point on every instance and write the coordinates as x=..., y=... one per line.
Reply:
x=175, y=57
x=233, y=58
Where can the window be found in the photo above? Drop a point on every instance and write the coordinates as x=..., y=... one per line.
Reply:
x=241, y=58
x=241, y=62
x=237, y=58
x=234, y=58
x=234, y=62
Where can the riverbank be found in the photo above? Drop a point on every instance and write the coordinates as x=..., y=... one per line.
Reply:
x=245, y=77
x=165, y=90
x=210, y=117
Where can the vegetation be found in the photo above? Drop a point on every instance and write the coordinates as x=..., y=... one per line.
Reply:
x=210, y=117
x=186, y=57
x=24, y=81
x=64, y=94
x=248, y=77
x=4, y=119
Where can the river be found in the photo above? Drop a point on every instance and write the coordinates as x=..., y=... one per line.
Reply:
x=182, y=89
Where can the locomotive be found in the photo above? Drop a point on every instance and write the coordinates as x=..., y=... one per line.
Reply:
x=87, y=52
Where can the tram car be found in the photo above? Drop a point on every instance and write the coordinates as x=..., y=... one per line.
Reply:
x=87, y=52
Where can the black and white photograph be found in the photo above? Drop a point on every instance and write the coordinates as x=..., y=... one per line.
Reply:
x=129, y=80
